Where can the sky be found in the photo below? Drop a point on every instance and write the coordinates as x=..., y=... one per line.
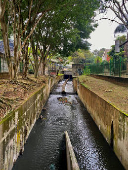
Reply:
x=103, y=36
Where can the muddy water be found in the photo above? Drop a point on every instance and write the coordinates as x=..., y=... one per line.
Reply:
x=45, y=147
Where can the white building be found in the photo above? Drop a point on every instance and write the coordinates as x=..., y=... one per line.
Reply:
x=105, y=54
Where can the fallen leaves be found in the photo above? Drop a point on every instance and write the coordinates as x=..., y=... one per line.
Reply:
x=12, y=93
x=108, y=90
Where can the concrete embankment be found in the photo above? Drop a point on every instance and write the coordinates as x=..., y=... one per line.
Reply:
x=71, y=159
x=116, y=80
x=16, y=126
x=112, y=122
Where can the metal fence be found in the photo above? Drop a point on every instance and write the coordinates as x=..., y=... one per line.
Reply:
x=115, y=67
x=4, y=66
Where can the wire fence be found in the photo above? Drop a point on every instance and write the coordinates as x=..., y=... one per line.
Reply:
x=115, y=67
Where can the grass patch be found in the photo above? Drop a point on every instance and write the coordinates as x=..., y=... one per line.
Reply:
x=85, y=86
x=82, y=78
x=60, y=74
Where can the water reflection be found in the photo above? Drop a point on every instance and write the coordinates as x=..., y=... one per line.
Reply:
x=45, y=147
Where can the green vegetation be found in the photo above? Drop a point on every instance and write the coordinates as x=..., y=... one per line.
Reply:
x=86, y=71
x=99, y=52
x=115, y=65
x=114, y=6
x=82, y=56
x=60, y=74
x=98, y=59
x=48, y=27
x=112, y=53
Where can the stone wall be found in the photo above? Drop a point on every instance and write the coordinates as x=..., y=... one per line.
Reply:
x=16, y=126
x=112, y=122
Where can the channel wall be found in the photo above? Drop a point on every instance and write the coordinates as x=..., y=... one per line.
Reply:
x=16, y=126
x=112, y=122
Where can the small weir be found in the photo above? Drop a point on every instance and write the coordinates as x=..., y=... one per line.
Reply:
x=45, y=148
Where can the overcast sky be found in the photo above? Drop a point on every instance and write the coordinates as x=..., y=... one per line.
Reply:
x=103, y=36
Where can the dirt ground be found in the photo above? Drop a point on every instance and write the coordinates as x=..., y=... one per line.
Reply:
x=14, y=93
x=115, y=94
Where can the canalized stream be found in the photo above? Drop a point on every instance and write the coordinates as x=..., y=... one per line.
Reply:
x=45, y=147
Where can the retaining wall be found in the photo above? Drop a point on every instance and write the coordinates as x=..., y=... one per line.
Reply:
x=117, y=80
x=16, y=126
x=71, y=159
x=112, y=122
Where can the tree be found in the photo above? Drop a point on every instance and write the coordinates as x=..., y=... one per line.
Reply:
x=25, y=15
x=4, y=29
x=60, y=31
x=98, y=59
x=119, y=9
x=99, y=52
x=89, y=57
x=82, y=56
x=112, y=53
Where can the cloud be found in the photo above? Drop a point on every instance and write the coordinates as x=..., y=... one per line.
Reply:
x=103, y=36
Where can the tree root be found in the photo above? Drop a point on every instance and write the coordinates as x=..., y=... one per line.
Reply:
x=2, y=100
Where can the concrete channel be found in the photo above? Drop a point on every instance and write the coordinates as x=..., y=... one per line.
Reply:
x=45, y=148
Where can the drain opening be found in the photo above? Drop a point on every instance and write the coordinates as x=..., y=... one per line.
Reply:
x=112, y=136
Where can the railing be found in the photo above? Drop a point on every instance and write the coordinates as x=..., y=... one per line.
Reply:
x=71, y=159
x=115, y=67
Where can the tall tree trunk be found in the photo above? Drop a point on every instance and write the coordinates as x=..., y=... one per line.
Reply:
x=16, y=63
x=26, y=66
x=35, y=57
x=25, y=61
x=36, y=67
x=17, y=38
x=127, y=55
x=44, y=64
x=6, y=46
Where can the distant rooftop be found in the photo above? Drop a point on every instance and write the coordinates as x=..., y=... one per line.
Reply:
x=11, y=44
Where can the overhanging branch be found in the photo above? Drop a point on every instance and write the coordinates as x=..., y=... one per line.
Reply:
x=112, y=20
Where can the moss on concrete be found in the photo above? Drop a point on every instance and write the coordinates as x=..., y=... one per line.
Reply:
x=17, y=124
x=85, y=86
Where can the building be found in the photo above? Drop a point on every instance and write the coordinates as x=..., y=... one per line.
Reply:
x=105, y=56
x=77, y=69
x=53, y=67
x=3, y=62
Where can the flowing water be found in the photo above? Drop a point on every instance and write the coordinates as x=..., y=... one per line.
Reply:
x=45, y=147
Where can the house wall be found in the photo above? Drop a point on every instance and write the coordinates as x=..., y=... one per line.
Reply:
x=16, y=126
x=112, y=122
x=4, y=66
